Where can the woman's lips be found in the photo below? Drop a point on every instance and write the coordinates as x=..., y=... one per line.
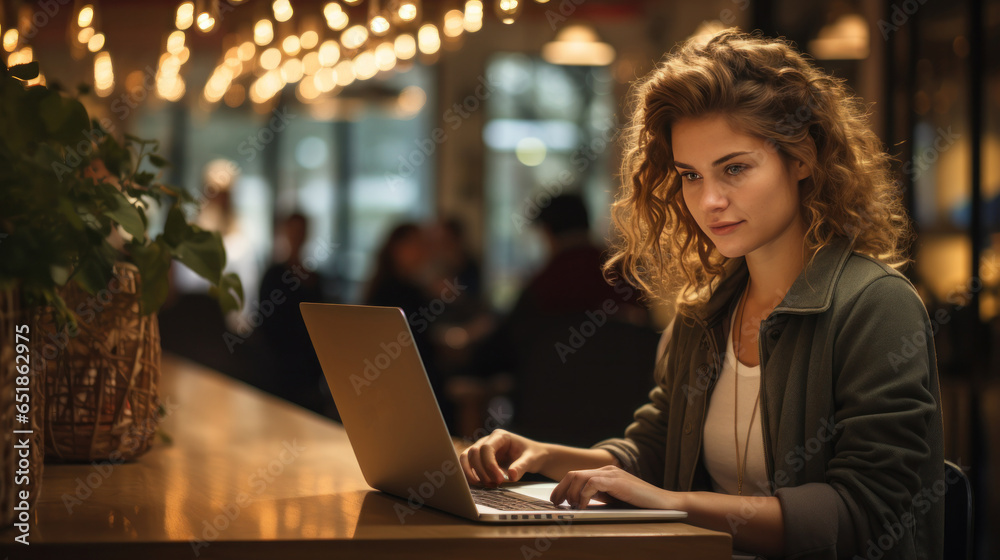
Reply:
x=726, y=228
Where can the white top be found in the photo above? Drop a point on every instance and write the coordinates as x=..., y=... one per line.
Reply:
x=719, y=445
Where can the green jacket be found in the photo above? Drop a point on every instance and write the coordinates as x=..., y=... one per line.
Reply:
x=849, y=409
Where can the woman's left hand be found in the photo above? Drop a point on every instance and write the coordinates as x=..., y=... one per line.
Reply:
x=578, y=487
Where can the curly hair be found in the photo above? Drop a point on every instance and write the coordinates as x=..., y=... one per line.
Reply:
x=764, y=88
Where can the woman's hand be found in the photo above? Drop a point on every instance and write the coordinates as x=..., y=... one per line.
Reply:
x=611, y=482
x=482, y=460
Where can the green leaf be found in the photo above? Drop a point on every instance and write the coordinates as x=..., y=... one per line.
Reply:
x=27, y=71
x=229, y=292
x=158, y=161
x=153, y=261
x=176, y=230
x=127, y=216
x=144, y=178
x=204, y=254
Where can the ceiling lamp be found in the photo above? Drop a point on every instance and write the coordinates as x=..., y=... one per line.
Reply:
x=578, y=45
x=844, y=39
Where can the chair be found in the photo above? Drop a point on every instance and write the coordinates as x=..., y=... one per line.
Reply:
x=957, y=514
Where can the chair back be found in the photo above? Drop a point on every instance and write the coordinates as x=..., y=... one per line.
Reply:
x=957, y=514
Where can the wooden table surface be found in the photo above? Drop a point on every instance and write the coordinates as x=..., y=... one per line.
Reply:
x=250, y=476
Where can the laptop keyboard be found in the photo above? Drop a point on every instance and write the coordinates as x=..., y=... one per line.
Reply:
x=502, y=499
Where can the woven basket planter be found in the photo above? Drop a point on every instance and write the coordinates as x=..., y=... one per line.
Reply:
x=12, y=316
x=101, y=388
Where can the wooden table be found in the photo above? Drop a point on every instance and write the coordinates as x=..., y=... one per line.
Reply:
x=250, y=476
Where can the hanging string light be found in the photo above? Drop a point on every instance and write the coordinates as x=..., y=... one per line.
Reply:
x=473, y=16
x=408, y=10
x=185, y=15
x=508, y=10
x=378, y=22
x=336, y=17
x=282, y=10
x=208, y=12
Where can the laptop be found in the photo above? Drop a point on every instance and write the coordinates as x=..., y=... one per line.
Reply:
x=395, y=426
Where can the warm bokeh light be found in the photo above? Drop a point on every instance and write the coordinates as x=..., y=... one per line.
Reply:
x=364, y=65
x=405, y=46
x=508, y=10
x=206, y=22
x=454, y=23
x=86, y=16
x=385, y=56
x=270, y=58
x=309, y=39
x=325, y=80
x=310, y=63
x=336, y=17
x=345, y=73
x=329, y=53
x=473, y=16
x=428, y=39
x=175, y=42
x=263, y=32
x=84, y=35
x=291, y=45
x=185, y=15
x=353, y=37
x=282, y=10
x=104, y=74
x=23, y=56
x=407, y=11
x=10, y=39
x=96, y=42
x=291, y=70
x=379, y=26
x=246, y=51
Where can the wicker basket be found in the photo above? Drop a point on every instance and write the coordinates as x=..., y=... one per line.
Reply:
x=12, y=315
x=101, y=391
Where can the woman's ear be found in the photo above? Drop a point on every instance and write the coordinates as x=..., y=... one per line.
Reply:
x=801, y=169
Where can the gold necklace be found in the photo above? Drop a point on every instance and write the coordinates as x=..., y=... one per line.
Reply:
x=740, y=471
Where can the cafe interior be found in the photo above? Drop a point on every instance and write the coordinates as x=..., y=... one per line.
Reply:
x=432, y=155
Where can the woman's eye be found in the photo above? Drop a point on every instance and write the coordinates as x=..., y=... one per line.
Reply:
x=689, y=175
x=735, y=169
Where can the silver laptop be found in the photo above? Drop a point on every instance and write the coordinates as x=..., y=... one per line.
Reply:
x=400, y=439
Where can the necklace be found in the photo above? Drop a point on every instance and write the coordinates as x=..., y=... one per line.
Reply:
x=738, y=345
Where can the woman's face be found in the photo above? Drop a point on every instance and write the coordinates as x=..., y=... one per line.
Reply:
x=742, y=193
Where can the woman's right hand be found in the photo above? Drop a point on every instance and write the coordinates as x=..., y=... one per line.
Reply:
x=482, y=460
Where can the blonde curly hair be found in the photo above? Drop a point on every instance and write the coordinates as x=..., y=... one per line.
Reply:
x=764, y=87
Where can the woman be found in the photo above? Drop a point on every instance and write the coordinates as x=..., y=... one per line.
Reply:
x=786, y=410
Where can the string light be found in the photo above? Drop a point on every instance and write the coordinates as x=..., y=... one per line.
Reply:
x=309, y=40
x=378, y=23
x=86, y=16
x=282, y=10
x=454, y=23
x=473, y=16
x=336, y=17
x=329, y=53
x=10, y=40
x=291, y=45
x=185, y=15
x=96, y=42
x=408, y=10
x=263, y=32
x=353, y=37
x=104, y=74
x=508, y=10
x=428, y=39
x=405, y=46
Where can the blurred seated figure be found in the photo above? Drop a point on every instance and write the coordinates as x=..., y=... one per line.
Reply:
x=571, y=331
x=404, y=277
x=296, y=375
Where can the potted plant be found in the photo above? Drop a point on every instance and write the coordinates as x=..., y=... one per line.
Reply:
x=76, y=259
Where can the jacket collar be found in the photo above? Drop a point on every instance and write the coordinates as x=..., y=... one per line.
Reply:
x=812, y=291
